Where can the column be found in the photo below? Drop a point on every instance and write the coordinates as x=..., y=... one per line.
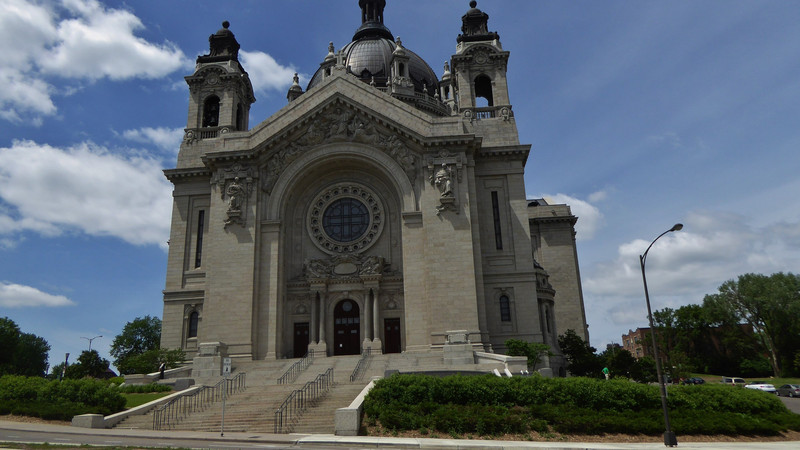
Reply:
x=376, y=316
x=368, y=314
x=322, y=297
x=314, y=318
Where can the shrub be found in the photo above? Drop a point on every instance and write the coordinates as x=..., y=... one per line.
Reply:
x=144, y=388
x=38, y=397
x=488, y=405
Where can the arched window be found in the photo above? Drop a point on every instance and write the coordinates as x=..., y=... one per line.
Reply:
x=194, y=318
x=483, y=90
x=505, y=309
x=211, y=112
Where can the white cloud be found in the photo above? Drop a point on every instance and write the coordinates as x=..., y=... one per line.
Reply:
x=589, y=216
x=265, y=73
x=83, y=188
x=168, y=139
x=19, y=296
x=683, y=266
x=82, y=40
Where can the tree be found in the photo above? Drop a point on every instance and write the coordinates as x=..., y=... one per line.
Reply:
x=21, y=353
x=644, y=370
x=138, y=348
x=533, y=350
x=619, y=361
x=771, y=305
x=581, y=358
x=137, y=337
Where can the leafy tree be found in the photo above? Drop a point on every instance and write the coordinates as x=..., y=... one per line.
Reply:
x=137, y=337
x=21, y=353
x=581, y=358
x=619, y=361
x=771, y=305
x=88, y=364
x=644, y=370
x=137, y=349
x=533, y=350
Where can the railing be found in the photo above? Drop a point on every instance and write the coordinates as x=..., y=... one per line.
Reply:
x=358, y=372
x=294, y=371
x=167, y=416
x=300, y=399
x=485, y=113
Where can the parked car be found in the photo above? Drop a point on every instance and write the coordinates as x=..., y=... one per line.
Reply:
x=761, y=386
x=734, y=381
x=693, y=380
x=789, y=390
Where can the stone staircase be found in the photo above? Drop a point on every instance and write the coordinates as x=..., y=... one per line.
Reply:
x=253, y=410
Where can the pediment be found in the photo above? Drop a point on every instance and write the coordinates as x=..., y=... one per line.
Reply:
x=339, y=121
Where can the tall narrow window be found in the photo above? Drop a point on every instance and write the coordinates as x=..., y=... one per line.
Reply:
x=505, y=309
x=194, y=318
x=498, y=236
x=239, y=118
x=211, y=112
x=198, y=251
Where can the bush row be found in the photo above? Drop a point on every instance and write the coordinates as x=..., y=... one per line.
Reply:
x=144, y=388
x=492, y=405
x=44, y=398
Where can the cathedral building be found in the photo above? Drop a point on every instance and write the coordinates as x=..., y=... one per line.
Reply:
x=380, y=208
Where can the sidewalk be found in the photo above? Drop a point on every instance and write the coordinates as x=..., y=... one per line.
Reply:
x=73, y=435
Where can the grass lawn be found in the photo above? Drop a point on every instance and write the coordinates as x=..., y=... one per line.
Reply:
x=134, y=400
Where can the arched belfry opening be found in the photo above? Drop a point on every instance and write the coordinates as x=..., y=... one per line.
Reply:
x=483, y=91
x=211, y=112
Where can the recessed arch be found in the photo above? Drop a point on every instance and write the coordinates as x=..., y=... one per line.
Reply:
x=339, y=153
x=483, y=89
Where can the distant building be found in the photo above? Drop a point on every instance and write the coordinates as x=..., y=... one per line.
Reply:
x=634, y=342
x=379, y=208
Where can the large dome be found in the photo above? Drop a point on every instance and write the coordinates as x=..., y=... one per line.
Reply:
x=369, y=55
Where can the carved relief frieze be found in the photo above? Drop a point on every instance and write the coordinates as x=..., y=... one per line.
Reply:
x=445, y=172
x=339, y=124
x=348, y=266
x=235, y=185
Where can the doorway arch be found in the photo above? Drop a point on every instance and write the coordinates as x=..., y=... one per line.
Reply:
x=346, y=328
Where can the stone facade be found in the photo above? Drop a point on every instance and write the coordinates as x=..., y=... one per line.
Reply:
x=378, y=209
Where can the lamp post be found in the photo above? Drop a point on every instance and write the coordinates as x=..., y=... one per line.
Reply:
x=90, y=341
x=669, y=436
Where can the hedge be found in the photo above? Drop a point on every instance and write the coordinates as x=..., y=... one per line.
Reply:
x=61, y=400
x=489, y=405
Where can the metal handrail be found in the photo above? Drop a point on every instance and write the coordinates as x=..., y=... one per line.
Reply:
x=300, y=399
x=358, y=372
x=297, y=368
x=169, y=414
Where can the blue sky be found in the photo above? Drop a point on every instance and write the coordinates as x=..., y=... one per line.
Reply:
x=640, y=115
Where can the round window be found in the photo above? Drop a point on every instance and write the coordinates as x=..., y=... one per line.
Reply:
x=345, y=218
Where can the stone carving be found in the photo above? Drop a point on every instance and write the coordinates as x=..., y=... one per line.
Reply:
x=341, y=266
x=339, y=124
x=443, y=179
x=236, y=184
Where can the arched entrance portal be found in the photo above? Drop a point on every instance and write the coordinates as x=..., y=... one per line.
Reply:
x=346, y=328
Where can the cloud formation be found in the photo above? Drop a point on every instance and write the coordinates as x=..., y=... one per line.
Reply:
x=76, y=39
x=589, y=216
x=683, y=266
x=19, y=296
x=168, y=139
x=50, y=190
x=265, y=72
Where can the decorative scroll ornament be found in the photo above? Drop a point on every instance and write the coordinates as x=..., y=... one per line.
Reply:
x=340, y=124
x=345, y=266
x=235, y=186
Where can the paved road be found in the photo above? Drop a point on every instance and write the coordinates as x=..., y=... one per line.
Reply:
x=792, y=403
x=65, y=435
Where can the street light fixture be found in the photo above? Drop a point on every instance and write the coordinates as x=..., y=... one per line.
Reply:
x=90, y=341
x=669, y=436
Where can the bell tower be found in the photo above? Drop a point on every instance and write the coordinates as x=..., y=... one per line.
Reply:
x=220, y=89
x=478, y=68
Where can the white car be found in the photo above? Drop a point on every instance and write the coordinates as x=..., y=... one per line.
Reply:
x=762, y=387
